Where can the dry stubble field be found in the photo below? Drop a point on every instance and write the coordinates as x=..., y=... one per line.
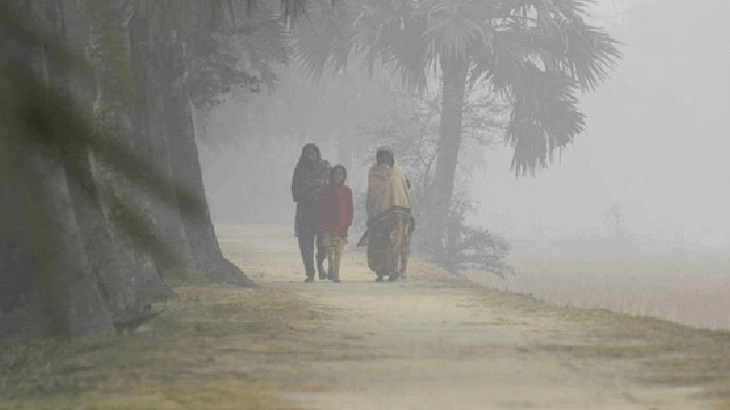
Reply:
x=685, y=284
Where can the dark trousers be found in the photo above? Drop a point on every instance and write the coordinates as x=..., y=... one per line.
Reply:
x=307, y=238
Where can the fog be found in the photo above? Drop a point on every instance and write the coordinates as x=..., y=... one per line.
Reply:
x=655, y=148
x=656, y=145
x=649, y=174
x=198, y=208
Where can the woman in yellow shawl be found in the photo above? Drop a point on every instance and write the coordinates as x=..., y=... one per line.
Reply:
x=390, y=222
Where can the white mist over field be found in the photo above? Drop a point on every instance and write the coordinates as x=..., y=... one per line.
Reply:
x=655, y=155
x=635, y=217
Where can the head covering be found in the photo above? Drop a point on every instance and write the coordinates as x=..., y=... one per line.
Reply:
x=313, y=147
x=309, y=178
x=385, y=152
x=387, y=188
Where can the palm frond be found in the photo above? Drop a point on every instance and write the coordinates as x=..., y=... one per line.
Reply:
x=539, y=54
x=544, y=116
x=557, y=33
x=322, y=41
x=451, y=34
x=378, y=33
x=587, y=53
x=543, y=54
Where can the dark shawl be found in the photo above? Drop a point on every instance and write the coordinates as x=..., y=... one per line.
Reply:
x=309, y=178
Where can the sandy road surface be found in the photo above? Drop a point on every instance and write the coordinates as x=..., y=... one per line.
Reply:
x=438, y=343
x=432, y=342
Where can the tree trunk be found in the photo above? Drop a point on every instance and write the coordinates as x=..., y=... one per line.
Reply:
x=21, y=307
x=172, y=138
x=189, y=178
x=68, y=288
x=454, y=74
x=153, y=140
x=127, y=276
x=67, y=297
x=70, y=283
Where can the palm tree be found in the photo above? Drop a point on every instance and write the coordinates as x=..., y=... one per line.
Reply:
x=537, y=54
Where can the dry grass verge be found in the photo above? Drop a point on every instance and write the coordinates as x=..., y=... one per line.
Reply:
x=171, y=363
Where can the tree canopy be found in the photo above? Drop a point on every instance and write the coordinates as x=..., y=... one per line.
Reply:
x=538, y=54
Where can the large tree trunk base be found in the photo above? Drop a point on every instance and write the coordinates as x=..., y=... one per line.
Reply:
x=25, y=321
x=223, y=272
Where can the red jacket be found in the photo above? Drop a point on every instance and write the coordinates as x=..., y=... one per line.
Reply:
x=335, y=207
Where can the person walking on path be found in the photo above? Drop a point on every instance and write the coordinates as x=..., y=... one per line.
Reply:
x=310, y=175
x=336, y=211
x=390, y=221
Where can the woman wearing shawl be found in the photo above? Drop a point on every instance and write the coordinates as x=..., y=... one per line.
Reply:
x=390, y=222
x=310, y=176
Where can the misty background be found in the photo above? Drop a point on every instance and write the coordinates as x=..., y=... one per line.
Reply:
x=656, y=144
x=634, y=216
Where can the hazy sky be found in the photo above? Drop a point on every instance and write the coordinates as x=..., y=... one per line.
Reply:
x=657, y=142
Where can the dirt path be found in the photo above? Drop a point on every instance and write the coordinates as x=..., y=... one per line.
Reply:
x=433, y=342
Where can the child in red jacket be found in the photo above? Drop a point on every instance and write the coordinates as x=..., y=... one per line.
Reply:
x=335, y=205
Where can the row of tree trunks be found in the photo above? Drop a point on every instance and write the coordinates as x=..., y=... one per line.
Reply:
x=63, y=296
x=67, y=267
x=129, y=278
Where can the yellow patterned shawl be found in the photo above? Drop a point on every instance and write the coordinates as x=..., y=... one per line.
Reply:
x=387, y=188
